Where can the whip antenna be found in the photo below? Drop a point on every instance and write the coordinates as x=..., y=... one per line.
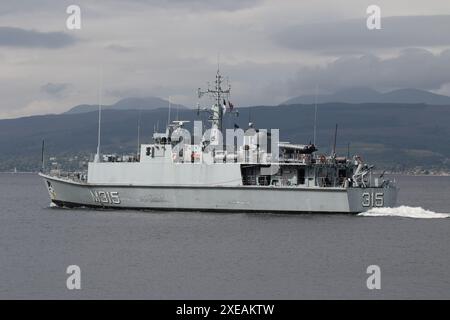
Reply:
x=168, y=117
x=315, y=116
x=334, y=144
x=42, y=156
x=97, y=156
x=139, y=133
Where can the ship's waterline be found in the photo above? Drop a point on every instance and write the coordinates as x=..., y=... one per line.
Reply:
x=219, y=198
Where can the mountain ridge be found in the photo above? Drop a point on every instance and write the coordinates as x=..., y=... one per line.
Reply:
x=368, y=95
x=130, y=103
x=392, y=136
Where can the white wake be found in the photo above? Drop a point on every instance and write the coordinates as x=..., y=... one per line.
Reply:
x=404, y=211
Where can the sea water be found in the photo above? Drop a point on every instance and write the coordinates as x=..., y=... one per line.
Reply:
x=177, y=255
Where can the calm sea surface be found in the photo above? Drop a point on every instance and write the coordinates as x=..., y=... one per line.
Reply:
x=152, y=255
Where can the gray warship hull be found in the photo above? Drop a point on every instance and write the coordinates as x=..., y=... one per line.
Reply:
x=249, y=171
x=257, y=199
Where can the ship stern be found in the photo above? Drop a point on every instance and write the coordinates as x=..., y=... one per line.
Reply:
x=364, y=199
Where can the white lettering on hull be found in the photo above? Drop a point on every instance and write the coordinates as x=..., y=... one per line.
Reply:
x=105, y=197
x=373, y=199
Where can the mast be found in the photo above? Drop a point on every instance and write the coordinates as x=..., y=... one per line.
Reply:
x=218, y=95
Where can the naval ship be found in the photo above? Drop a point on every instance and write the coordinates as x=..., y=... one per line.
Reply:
x=255, y=173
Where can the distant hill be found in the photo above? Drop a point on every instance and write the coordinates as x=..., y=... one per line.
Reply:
x=148, y=103
x=389, y=135
x=367, y=95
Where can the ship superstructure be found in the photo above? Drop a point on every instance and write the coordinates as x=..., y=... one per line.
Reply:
x=255, y=172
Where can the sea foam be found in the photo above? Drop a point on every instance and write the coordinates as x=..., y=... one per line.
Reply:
x=404, y=211
x=53, y=205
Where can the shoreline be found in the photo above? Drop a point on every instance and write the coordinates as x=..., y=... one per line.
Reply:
x=442, y=174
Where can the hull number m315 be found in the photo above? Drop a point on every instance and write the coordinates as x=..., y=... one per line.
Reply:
x=374, y=199
x=105, y=197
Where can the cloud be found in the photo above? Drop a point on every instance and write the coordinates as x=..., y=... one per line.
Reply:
x=17, y=37
x=55, y=89
x=39, y=106
x=413, y=68
x=170, y=47
x=229, y=5
x=405, y=31
x=125, y=93
x=20, y=6
x=9, y=7
x=119, y=48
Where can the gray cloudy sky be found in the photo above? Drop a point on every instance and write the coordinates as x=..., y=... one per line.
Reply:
x=271, y=50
